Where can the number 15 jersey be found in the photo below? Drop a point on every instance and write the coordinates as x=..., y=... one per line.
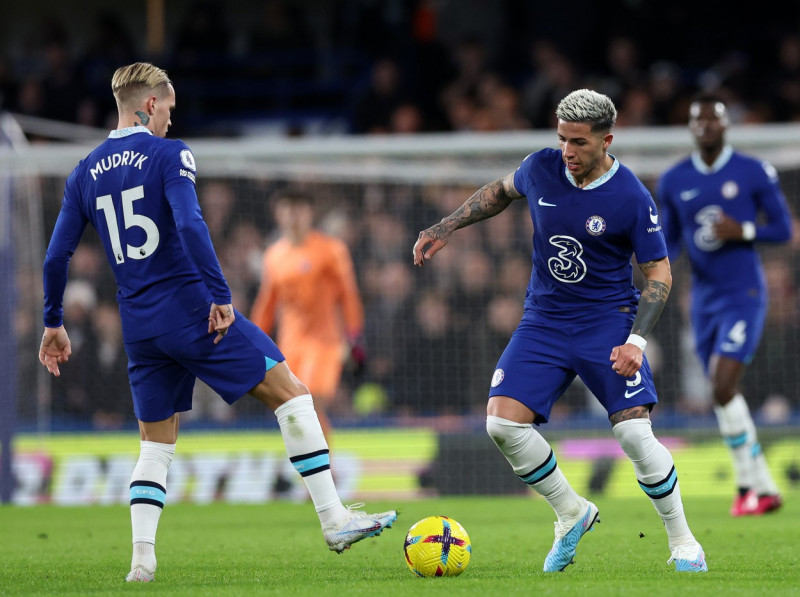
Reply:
x=138, y=191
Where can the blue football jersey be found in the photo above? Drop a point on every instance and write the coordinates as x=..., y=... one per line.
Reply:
x=692, y=196
x=138, y=191
x=584, y=238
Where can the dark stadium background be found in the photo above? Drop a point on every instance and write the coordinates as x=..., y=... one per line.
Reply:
x=370, y=69
x=305, y=66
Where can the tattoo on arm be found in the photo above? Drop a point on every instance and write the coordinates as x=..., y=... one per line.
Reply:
x=654, y=296
x=487, y=201
x=143, y=117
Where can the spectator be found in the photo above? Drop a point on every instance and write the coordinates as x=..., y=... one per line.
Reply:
x=279, y=25
x=432, y=375
x=554, y=76
x=389, y=308
x=109, y=391
x=374, y=108
x=785, y=79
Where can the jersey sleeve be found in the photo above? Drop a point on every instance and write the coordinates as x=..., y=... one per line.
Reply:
x=352, y=307
x=67, y=233
x=179, y=189
x=777, y=226
x=522, y=176
x=669, y=219
x=647, y=235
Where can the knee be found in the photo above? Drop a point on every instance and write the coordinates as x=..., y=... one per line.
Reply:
x=635, y=436
x=279, y=386
x=723, y=391
x=504, y=432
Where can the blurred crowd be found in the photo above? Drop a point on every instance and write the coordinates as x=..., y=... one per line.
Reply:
x=365, y=66
x=374, y=67
x=433, y=335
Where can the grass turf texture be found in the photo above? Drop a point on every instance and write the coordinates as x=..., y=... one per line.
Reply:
x=277, y=549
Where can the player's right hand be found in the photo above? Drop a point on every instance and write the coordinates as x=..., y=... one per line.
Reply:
x=220, y=319
x=726, y=228
x=626, y=359
x=436, y=237
x=54, y=349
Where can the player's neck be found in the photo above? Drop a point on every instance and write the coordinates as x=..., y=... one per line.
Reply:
x=127, y=124
x=603, y=166
x=709, y=155
x=296, y=237
x=127, y=118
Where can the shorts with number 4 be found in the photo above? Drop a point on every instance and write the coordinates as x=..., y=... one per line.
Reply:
x=732, y=332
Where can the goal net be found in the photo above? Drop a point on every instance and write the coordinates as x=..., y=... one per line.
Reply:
x=433, y=335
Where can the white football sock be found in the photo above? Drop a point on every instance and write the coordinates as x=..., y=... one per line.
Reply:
x=533, y=461
x=308, y=452
x=148, y=494
x=739, y=432
x=655, y=471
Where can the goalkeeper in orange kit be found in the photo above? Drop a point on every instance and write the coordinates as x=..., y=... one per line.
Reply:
x=310, y=294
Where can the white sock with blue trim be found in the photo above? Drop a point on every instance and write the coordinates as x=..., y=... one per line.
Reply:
x=308, y=452
x=739, y=433
x=655, y=471
x=533, y=461
x=148, y=493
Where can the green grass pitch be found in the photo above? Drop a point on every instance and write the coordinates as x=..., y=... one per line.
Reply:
x=277, y=549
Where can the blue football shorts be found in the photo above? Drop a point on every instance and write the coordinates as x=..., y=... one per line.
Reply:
x=162, y=370
x=733, y=332
x=543, y=357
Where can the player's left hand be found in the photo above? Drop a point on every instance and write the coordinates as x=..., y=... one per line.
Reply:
x=54, y=349
x=626, y=359
x=726, y=228
x=220, y=319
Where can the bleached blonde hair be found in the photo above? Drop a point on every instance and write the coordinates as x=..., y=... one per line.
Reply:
x=129, y=82
x=590, y=107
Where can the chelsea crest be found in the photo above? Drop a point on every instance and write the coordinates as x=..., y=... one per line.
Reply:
x=595, y=225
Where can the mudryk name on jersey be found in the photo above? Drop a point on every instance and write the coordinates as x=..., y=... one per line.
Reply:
x=134, y=159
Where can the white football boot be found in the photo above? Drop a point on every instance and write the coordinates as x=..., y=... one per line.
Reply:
x=356, y=525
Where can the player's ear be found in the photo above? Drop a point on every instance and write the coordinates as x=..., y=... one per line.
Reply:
x=607, y=138
x=151, y=105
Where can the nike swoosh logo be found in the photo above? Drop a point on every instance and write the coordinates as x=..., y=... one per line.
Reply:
x=629, y=394
x=689, y=195
x=544, y=203
x=653, y=217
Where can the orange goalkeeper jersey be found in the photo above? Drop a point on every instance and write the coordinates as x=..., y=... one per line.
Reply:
x=309, y=292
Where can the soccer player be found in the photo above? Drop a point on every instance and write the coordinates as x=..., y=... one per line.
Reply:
x=309, y=289
x=583, y=316
x=138, y=191
x=719, y=203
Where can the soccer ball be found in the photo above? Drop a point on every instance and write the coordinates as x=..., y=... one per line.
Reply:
x=437, y=546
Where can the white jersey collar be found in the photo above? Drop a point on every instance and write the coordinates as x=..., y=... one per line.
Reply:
x=595, y=183
x=119, y=133
x=722, y=159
